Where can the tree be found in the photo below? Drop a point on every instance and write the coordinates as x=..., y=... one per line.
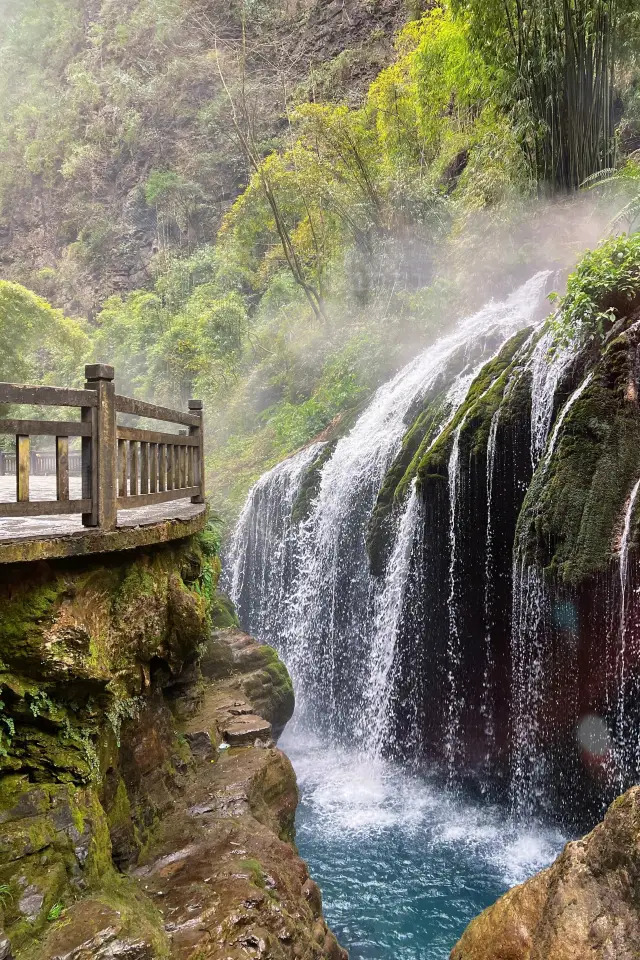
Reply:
x=559, y=60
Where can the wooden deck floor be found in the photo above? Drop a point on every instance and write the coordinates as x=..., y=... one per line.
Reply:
x=62, y=527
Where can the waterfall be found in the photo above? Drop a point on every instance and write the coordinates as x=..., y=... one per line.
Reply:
x=621, y=667
x=530, y=620
x=336, y=624
x=389, y=600
x=452, y=745
x=528, y=659
x=261, y=559
x=548, y=363
x=489, y=663
x=389, y=604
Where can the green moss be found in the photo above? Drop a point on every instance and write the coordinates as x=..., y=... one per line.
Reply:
x=223, y=612
x=22, y=614
x=277, y=670
x=576, y=501
x=483, y=399
x=399, y=476
x=254, y=869
x=424, y=453
x=119, y=812
x=310, y=485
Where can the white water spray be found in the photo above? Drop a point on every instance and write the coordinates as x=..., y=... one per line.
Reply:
x=329, y=632
x=548, y=363
x=487, y=701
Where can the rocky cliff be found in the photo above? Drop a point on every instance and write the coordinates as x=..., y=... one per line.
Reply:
x=145, y=811
x=584, y=905
x=522, y=561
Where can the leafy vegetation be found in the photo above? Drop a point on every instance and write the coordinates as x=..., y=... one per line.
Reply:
x=605, y=285
x=38, y=343
x=228, y=233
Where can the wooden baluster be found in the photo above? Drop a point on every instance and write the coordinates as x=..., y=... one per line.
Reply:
x=144, y=468
x=62, y=468
x=22, y=469
x=153, y=468
x=190, y=466
x=162, y=467
x=169, y=452
x=183, y=461
x=196, y=407
x=122, y=468
x=176, y=467
x=134, y=470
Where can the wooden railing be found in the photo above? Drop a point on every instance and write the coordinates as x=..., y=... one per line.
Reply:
x=121, y=467
x=41, y=465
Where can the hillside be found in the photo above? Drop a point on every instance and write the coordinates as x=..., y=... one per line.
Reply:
x=273, y=206
x=117, y=147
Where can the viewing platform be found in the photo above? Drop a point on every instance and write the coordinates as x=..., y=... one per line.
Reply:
x=126, y=486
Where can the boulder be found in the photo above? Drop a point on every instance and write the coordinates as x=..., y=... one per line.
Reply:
x=584, y=905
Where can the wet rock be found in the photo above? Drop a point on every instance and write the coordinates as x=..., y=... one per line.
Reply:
x=584, y=905
x=145, y=813
x=93, y=930
x=201, y=746
x=6, y=953
x=246, y=729
x=259, y=674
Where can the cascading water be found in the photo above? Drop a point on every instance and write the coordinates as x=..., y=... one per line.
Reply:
x=261, y=561
x=452, y=744
x=489, y=661
x=548, y=363
x=528, y=652
x=326, y=625
x=340, y=628
x=389, y=604
x=575, y=396
x=529, y=629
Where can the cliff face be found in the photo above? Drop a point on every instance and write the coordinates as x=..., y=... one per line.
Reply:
x=129, y=156
x=145, y=811
x=584, y=905
x=519, y=616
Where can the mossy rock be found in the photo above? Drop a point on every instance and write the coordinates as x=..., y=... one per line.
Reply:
x=420, y=457
x=223, y=612
x=54, y=843
x=576, y=501
x=310, y=486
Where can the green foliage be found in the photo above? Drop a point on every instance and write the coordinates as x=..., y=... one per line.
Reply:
x=123, y=708
x=344, y=248
x=7, y=730
x=38, y=343
x=623, y=180
x=210, y=539
x=56, y=911
x=606, y=284
x=558, y=61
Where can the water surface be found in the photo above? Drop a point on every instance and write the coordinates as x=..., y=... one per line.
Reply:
x=403, y=865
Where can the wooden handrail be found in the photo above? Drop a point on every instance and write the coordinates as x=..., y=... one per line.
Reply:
x=138, y=408
x=46, y=396
x=121, y=467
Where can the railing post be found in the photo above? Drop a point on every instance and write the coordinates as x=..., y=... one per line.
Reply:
x=102, y=452
x=3, y=464
x=196, y=407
